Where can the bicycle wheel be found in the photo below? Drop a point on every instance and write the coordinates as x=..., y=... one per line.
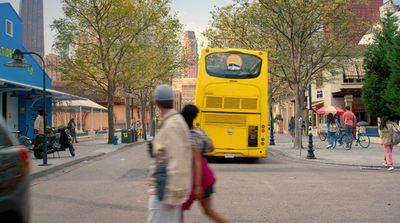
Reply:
x=322, y=136
x=346, y=142
x=364, y=141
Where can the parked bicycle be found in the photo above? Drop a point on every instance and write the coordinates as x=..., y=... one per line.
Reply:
x=323, y=132
x=23, y=139
x=360, y=138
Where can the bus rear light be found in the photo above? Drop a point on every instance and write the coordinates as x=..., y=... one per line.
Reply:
x=207, y=50
x=262, y=143
x=262, y=139
x=260, y=53
x=197, y=124
x=263, y=126
x=263, y=130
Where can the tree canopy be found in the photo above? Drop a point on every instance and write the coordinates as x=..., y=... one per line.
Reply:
x=109, y=46
x=381, y=89
x=303, y=38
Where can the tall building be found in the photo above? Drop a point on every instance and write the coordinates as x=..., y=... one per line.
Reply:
x=31, y=12
x=189, y=47
x=185, y=86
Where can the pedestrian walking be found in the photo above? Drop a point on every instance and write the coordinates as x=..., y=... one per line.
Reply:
x=386, y=131
x=333, y=128
x=291, y=127
x=204, y=179
x=170, y=173
x=350, y=121
x=72, y=129
x=38, y=125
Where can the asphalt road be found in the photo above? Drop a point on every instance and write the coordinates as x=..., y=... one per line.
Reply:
x=112, y=188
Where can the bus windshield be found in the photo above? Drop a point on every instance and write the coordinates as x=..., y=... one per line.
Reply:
x=233, y=65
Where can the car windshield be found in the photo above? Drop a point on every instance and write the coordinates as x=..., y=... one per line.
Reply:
x=233, y=65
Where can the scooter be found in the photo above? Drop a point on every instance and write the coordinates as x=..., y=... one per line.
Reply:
x=57, y=140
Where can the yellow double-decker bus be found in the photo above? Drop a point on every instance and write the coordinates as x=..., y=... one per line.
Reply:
x=232, y=96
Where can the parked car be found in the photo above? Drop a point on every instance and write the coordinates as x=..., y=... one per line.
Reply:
x=14, y=178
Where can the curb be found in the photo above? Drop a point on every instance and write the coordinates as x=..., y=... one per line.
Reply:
x=323, y=161
x=56, y=168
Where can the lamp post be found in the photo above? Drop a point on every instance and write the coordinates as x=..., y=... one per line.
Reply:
x=19, y=62
x=310, y=154
x=271, y=119
x=271, y=128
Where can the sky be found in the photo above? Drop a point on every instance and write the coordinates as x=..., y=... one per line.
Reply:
x=193, y=14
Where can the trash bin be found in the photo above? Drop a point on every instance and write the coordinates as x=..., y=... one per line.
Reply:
x=115, y=140
x=134, y=135
x=126, y=136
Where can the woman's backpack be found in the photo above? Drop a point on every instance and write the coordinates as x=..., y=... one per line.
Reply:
x=333, y=127
x=396, y=135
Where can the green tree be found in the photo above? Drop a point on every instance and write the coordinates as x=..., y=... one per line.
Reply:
x=234, y=26
x=154, y=59
x=95, y=38
x=304, y=38
x=392, y=92
x=382, y=70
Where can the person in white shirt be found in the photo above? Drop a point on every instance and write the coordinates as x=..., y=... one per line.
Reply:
x=38, y=126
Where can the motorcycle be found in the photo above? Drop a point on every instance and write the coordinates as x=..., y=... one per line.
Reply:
x=57, y=140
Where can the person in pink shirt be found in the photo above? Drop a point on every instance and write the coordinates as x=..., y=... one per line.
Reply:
x=349, y=121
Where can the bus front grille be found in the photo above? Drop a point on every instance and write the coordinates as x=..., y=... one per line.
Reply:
x=214, y=102
x=225, y=119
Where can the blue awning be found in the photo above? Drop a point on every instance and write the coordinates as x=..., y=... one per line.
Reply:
x=9, y=86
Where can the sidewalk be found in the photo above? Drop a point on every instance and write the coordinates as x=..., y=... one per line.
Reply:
x=83, y=151
x=357, y=156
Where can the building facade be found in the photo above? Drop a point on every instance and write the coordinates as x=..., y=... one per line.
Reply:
x=20, y=88
x=367, y=11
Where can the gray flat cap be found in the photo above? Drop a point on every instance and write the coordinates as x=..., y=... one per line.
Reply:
x=163, y=93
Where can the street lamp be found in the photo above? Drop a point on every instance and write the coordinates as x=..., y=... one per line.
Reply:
x=310, y=154
x=19, y=62
x=271, y=128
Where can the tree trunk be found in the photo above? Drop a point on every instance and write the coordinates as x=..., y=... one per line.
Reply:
x=143, y=110
x=152, y=119
x=271, y=117
x=128, y=112
x=110, y=106
x=298, y=110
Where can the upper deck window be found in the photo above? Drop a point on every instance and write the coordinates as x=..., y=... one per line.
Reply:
x=9, y=28
x=233, y=65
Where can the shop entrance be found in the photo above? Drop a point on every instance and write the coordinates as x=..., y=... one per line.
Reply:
x=9, y=109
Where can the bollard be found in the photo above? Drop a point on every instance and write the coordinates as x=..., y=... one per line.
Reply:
x=115, y=140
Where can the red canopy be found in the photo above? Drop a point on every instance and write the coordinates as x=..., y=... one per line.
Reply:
x=330, y=109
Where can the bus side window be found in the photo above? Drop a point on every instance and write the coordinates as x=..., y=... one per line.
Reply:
x=253, y=136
